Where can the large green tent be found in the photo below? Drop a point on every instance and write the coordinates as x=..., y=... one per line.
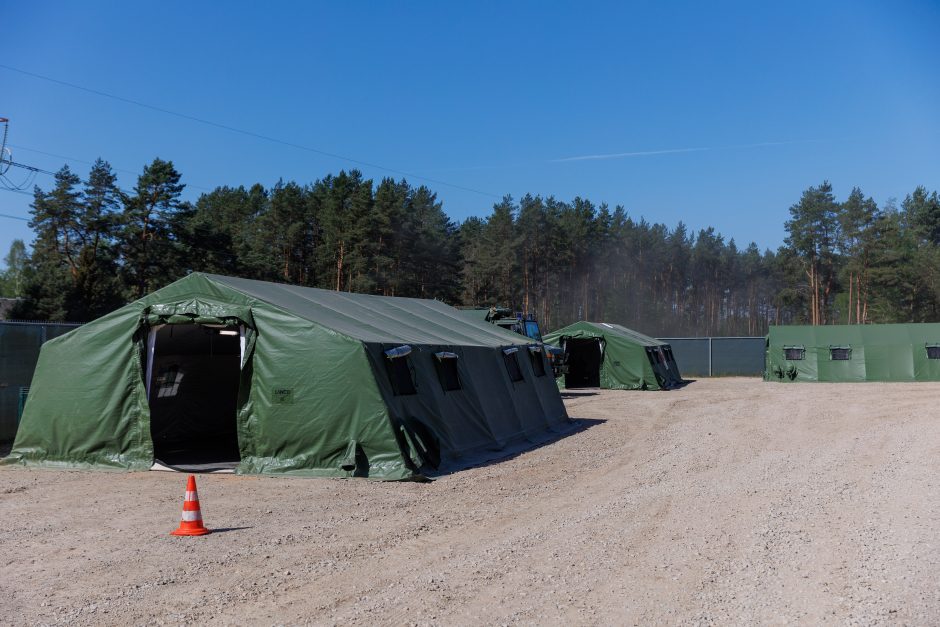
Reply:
x=214, y=371
x=853, y=352
x=611, y=356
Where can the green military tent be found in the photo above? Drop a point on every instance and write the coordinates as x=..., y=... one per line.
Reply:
x=611, y=356
x=217, y=372
x=853, y=352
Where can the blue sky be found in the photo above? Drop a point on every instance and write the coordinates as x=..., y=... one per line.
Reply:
x=716, y=113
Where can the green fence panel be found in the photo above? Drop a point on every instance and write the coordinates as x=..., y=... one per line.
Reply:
x=19, y=350
x=718, y=356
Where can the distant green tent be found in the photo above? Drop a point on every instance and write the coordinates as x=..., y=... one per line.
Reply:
x=868, y=352
x=217, y=372
x=614, y=357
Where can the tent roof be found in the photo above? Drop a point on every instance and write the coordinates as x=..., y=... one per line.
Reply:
x=872, y=334
x=607, y=329
x=382, y=319
x=476, y=313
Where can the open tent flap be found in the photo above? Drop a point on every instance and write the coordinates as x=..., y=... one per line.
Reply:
x=196, y=356
x=194, y=373
x=207, y=313
x=585, y=360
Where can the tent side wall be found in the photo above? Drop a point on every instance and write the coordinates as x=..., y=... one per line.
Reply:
x=926, y=364
x=627, y=366
x=882, y=352
x=488, y=413
x=87, y=405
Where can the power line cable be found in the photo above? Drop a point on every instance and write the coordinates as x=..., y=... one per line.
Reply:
x=31, y=168
x=247, y=133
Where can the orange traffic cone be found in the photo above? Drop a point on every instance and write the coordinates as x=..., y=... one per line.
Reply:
x=191, y=525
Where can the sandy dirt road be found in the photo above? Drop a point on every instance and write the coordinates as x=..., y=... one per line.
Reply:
x=730, y=501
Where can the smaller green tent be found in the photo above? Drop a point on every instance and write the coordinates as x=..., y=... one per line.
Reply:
x=853, y=352
x=614, y=357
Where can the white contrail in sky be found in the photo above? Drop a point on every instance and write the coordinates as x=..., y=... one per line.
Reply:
x=623, y=155
x=670, y=151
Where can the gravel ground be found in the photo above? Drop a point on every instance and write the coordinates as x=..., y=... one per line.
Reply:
x=730, y=501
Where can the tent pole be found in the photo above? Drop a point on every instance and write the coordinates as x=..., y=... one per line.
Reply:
x=709, y=356
x=151, y=343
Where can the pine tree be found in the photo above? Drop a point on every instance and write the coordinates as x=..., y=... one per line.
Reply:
x=149, y=231
x=97, y=290
x=12, y=278
x=812, y=234
x=51, y=272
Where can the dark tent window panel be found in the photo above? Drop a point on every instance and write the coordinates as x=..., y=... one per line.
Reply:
x=840, y=353
x=794, y=353
x=512, y=365
x=446, y=364
x=933, y=352
x=399, y=373
x=538, y=362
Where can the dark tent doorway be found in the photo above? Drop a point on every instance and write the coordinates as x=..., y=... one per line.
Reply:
x=193, y=377
x=584, y=362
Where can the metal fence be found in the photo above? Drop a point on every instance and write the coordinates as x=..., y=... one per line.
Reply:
x=19, y=351
x=718, y=356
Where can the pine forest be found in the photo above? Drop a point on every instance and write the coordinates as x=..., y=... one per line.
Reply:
x=844, y=260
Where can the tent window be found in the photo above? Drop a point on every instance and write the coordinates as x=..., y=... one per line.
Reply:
x=446, y=364
x=538, y=362
x=840, y=353
x=399, y=369
x=512, y=364
x=169, y=381
x=933, y=352
x=794, y=353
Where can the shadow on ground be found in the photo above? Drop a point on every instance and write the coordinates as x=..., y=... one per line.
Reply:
x=567, y=394
x=575, y=425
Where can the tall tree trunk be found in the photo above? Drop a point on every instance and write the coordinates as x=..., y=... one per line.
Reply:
x=339, y=266
x=851, y=277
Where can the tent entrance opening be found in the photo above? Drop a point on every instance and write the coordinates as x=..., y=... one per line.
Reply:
x=193, y=376
x=584, y=362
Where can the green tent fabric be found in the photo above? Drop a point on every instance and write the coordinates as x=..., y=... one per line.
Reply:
x=867, y=352
x=611, y=356
x=477, y=313
x=275, y=378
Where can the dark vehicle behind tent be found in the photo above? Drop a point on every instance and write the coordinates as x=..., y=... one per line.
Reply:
x=523, y=324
